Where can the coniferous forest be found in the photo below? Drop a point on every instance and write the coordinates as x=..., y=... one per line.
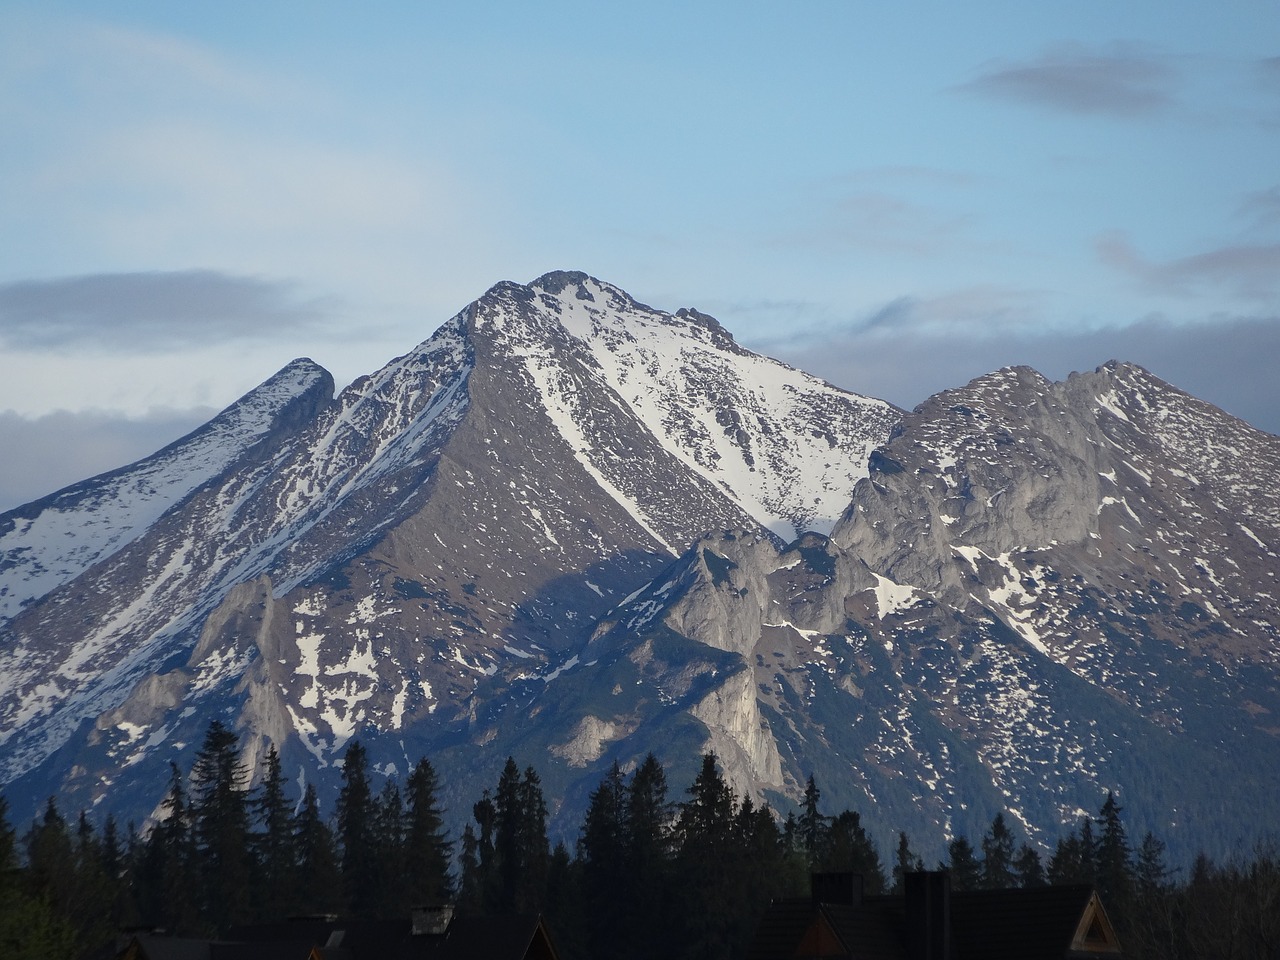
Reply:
x=652, y=872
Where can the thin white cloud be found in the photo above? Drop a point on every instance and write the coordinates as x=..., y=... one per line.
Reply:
x=1118, y=81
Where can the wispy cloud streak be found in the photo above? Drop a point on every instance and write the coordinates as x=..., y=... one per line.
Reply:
x=1118, y=82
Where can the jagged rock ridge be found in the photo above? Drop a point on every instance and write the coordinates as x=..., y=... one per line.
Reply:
x=575, y=529
x=457, y=518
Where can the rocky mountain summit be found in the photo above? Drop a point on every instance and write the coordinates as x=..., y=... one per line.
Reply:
x=1041, y=592
x=459, y=516
x=575, y=529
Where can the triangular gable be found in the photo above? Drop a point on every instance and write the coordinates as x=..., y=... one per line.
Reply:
x=540, y=947
x=1094, y=933
x=820, y=939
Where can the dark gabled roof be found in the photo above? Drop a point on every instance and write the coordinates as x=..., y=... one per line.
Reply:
x=467, y=938
x=1044, y=923
x=866, y=931
x=863, y=931
x=492, y=938
x=273, y=950
x=780, y=929
x=1026, y=924
x=159, y=946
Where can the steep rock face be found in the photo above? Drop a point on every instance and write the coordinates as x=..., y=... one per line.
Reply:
x=1113, y=522
x=445, y=528
x=1041, y=592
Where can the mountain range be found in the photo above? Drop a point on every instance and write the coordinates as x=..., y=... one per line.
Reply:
x=574, y=529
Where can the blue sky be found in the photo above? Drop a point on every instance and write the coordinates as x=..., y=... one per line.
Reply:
x=898, y=197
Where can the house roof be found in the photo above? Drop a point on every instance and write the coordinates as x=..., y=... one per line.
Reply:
x=1040, y=923
x=325, y=938
x=1044, y=923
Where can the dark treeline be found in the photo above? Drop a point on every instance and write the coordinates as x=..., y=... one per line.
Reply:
x=649, y=875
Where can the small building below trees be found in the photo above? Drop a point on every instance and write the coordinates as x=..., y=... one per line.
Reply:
x=929, y=922
x=432, y=934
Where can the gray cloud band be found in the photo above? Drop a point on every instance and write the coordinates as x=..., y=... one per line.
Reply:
x=147, y=312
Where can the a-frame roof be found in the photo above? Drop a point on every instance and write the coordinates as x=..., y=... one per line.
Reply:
x=1039, y=923
x=1042, y=923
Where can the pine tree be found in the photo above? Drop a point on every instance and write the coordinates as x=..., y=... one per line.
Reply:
x=1151, y=875
x=1114, y=868
x=220, y=823
x=707, y=891
x=480, y=885
x=272, y=844
x=605, y=861
x=535, y=852
x=360, y=869
x=317, y=883
x=966, y=873
x=427, y=847
x=648, y=818
x=904, y=862
x=848, y=849
x=1028, y=868
x=166, y=868
x=1074, y=858
x=391, y=892
x=997, y=855
x=812, y=824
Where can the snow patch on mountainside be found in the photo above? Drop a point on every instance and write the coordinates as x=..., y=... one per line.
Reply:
x=751, y=426
x=49, y=543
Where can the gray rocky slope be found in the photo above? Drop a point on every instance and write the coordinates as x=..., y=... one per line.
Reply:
x=574, y=529
x=454, y=521
x=1043, y=591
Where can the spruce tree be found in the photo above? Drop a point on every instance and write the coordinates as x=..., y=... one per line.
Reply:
x=220, y=823
x=605, y=861
x=272, y=843
x=707, y=892
x=1028, y=868
x=317, y=884
x=166, y=873
x=391, y=894
x=1074, y=857
x=1151, y=875
x=648, y=819
x=997, y=855
x=360, y=869
x=535, y=852
x=904, y=862
x=30, y=927
x=848, y=849
x=471, y=884
x=966, y=872
x=428, y=851
x=507, y=836
x=8, y=846
x=51, y=862
x=812, y=824
x=1113, y=868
